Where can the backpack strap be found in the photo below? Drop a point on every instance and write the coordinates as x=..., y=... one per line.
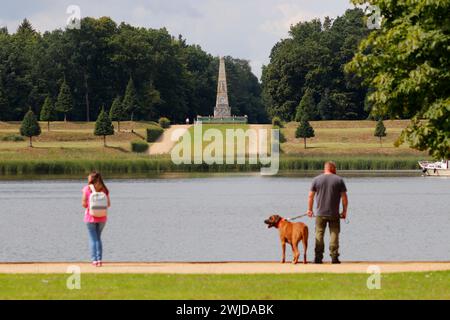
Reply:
x=91, y=186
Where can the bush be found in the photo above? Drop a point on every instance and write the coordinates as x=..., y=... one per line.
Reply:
x=13, y=138
x=276, y=121
x=164, y=123
x=153, y=133
x=139, y=146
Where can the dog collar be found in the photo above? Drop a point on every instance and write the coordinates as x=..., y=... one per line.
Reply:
x=279, y=222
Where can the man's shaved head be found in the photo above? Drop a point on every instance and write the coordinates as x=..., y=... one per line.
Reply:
x=330, y=166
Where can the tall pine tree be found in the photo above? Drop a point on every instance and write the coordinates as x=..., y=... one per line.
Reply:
x=129, y=102
x=64, y=103
x=104, y=126
x=48, y=112
x=307, y=107
x=30, y=127
x=117, y=112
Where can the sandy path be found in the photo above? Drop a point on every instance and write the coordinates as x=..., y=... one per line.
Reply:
x=165, y=144
x=223, y=268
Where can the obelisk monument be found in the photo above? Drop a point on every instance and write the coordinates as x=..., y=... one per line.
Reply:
x=222, y=109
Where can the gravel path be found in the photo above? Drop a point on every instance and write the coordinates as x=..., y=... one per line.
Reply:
x=223, y=268
x=165, y=144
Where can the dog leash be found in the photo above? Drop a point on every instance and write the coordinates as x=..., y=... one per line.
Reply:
x=346, y=220
x=296, y=218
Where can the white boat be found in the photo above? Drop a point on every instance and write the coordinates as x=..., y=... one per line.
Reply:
x=438, y=169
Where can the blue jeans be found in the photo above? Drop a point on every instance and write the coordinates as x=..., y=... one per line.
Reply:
x=95, y=233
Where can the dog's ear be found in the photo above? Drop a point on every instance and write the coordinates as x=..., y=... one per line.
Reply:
x=276, y=218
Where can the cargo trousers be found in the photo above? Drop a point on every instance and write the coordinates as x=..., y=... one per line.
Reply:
x=334, y=223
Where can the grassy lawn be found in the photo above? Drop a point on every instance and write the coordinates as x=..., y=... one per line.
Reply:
x=349, y=138
x=222, y=128
x=71, y=149
x=432, y=285
x=70, y=140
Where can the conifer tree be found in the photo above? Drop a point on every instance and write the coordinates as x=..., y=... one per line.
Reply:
x=64, y=103
x=30, y=127
x=304, y=130
x=117, y=112
x=130, y=99
x=48, y=112
x=103, y=126
x=380, y=131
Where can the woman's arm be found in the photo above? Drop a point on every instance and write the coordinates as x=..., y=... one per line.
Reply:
x=84, y=201
x=109, y=202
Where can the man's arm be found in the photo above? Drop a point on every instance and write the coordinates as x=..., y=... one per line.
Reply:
x=344, y=204
x=312, y=194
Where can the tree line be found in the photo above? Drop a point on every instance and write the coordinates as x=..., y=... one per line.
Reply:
x=330, y=70
x=74, y=73
x=305, y=76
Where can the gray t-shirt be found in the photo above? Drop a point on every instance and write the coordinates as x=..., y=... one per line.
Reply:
x=328, y=189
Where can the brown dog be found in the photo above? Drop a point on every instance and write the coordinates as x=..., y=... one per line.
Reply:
x=291, y=233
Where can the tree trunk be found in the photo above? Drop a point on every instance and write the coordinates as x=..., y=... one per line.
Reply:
x=381, y=142
x=31, y=142
x=132, y=116
x=305, y=142
x=48, y=126
x=86, y=97
x=65, y=117
x=104, y=141
x=118, y=126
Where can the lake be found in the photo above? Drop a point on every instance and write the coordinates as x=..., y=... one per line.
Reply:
x=221, y=219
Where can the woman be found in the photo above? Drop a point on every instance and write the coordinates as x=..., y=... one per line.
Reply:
x=95, y=225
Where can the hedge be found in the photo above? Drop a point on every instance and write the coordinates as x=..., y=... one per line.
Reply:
x=164, y=123
x=139, y=146
x=153, y=133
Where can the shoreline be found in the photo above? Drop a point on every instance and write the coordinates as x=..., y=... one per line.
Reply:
x=206, y=175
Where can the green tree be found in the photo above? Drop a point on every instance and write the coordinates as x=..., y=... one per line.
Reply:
x=276, y=122
x=325, y=106
x=380, y=131
x=307, y=107
x=304, y=130
x=64, y=103
x=407, y=64
x=4, y=105
x=313, y=57
x=103, y=126
x=47, y=112
x=130, y=103
x=117, y=112
x=170, y=78
x=30, y=127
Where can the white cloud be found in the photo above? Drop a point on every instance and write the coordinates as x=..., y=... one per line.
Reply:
x=290, y=14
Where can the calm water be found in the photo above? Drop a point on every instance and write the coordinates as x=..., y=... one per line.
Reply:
x=221, y=219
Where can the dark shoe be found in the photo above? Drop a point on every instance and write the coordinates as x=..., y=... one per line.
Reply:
x=335, y=261
x=318, y=261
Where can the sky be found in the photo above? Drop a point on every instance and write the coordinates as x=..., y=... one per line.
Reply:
x=245, y=29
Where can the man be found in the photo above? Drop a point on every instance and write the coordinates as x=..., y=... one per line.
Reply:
x=329, y=189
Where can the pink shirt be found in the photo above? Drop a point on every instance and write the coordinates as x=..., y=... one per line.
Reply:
x=87, y=217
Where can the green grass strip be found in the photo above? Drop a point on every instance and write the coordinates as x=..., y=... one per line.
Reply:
x=431, y=285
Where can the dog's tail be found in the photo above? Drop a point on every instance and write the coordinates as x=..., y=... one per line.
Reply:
x=305, y=240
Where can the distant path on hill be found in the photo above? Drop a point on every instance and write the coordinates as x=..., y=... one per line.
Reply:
x=224, y=268
x=165, y=144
